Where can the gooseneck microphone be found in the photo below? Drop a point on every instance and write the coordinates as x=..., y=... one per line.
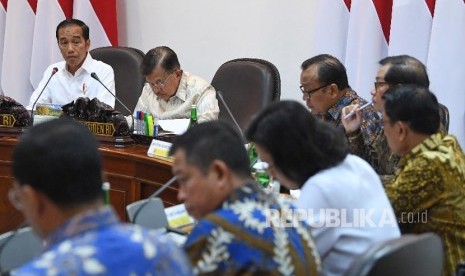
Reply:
x=54, y=70
x=94, y=75
x=220, y=95
x=155, y=194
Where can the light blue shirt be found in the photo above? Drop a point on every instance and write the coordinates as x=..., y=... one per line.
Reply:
x=96, y=243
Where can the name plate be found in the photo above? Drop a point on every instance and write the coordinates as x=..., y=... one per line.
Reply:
x=102, y=129
x=159, y=148
x=7, y=120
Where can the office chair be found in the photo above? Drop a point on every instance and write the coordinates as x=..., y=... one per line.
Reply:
x=18, y=249
x=444, y=116
x=150, y=213
x=129, y=80
x=247, y=85
x=460, y=269
x=408, y=255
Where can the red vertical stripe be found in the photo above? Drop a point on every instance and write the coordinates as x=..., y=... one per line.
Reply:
x=347, y=2
x=431, y=4
x=67, y=7
x=106, y=12
x=384, y=10
x=33, y=4
x=4, y=3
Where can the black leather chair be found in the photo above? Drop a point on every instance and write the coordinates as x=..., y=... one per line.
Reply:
x=129, y=81
x=408, y=255
x=444, y=115
x=247, y=86
x=460, y=269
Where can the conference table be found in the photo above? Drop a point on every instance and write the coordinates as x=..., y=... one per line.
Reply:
x=132, y=175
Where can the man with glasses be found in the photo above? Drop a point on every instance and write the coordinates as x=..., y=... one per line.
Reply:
x=169, y=92
x=58, y=187
x=326, y=91
x=394, y=70
x=428, y=192
x=73, y=78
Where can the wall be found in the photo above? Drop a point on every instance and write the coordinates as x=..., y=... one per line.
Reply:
x=275, y=30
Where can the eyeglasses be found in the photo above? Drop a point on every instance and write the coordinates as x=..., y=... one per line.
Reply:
x=13, y=196
x=310, y=92
x=378, y=84
x=160, y=84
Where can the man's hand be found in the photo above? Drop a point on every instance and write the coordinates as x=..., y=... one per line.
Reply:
x=353, y=122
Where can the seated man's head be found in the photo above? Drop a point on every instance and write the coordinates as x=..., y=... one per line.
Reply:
x=294, y=143
x=162, y=71
x=73, y=40
x=58, y=173
x=411, y=114
x=397, y=70
x=323, y=81
x=210, y=161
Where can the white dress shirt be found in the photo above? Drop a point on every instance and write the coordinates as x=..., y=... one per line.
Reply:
x=191, y=90
x=64, y=87
x=354, y=192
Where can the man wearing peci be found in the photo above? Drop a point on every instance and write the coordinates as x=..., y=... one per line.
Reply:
x=169, y=91
x=73, y=78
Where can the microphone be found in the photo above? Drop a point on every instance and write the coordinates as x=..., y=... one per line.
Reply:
x=94, y=75
x=54, y=70
x=220, y=95
x=155, y=194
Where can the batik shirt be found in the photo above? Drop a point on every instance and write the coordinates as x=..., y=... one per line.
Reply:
x=378, y=154
x=245, y=236
x=370, y=119
x=96, y=243
x=428, y=194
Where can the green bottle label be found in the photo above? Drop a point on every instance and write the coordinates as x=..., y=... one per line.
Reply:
x=193, y=118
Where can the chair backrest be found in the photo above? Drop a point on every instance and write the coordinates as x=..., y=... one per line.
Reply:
x=405, y=256
x=129, y=80
x=18, y=249
x=444, y=115
x=247, y=85
x=151, y=215
x=460, y=269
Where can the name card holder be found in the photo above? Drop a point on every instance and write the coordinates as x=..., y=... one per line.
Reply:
x=7, y=128
x=159, y=148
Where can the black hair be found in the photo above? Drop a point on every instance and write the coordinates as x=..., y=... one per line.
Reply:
x=405, y=69
x=61, y=159
x=330, y=70
x=214, y=140
x=300, y=144
x=414, y=105
x=162, y=56
x=71, y=22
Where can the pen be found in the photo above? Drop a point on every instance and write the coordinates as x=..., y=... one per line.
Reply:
x=353, y=110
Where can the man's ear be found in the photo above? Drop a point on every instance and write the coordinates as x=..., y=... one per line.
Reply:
x=35, y=200
x=220, y=173
x=402, y=131
x=333, y=91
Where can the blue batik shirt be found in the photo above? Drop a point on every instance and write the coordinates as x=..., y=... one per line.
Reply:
x=97, y=243
x=242, y=238
x=370, y=126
